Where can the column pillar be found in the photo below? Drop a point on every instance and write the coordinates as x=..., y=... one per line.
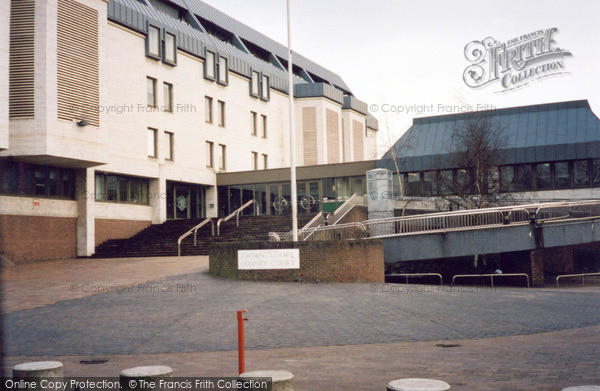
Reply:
x=86, y=235
x=158, y=200
x=536, y=258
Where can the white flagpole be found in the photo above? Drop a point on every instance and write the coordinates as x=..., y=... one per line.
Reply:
x=292, y=131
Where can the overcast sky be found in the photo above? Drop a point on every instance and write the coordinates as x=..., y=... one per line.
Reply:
x=409, y=53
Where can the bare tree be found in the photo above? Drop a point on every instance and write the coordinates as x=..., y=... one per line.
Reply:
x=475, y=152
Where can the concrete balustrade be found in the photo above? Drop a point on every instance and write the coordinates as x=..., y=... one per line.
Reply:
x=417, y=385
x=281, y=380
x=140, y=378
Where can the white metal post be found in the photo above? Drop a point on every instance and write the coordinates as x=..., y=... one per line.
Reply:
x=292, y=130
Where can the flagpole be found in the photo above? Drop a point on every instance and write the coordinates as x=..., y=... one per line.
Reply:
x=292, y=131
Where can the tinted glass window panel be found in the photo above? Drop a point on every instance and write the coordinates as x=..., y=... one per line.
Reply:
x=68, y=184
x=39, y=184
x=10, y=178
x=562, y=175
x=145, y=192
x=100, y=187
x=429, y=182
x=445, y=184
x=596, y=177
x=135, y=191
x=580, y=173
x=544, y=176
x=53, y=182
x=111, y=188
x=506, y=178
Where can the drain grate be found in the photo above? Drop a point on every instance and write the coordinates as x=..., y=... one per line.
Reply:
x=94, y=362
x=448, y=345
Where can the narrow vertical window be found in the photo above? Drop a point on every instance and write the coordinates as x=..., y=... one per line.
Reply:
x=221, y=113
x=209, y=66
x=209, y=154
x=255, y=160
x=168, y=97
x=208, y=109
x=170, y=49
x=265, y=88
x=254, y=123
x=153, y=42
x=222, y=154
x=264, y=126
x=151, y=91
x=151, y=142
x=223, y=71
x=255, y=88
x=169, y=146
x=265, y=161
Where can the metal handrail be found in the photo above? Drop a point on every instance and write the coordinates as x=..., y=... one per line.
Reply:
x=274, y=237
x=406, y=275
x=195, y=232
x=345, y=208
x=582, y=275
x=492, y=276
x=235, y=214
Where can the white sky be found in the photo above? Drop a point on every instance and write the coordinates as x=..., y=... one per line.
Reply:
x=412, y=52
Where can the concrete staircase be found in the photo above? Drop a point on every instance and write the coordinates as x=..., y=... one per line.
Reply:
x=160, y=240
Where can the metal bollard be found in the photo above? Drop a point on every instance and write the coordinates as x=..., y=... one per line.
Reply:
x=241, y=348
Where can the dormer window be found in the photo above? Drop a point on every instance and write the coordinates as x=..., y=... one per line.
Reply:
x=260, y=86
x=210, y=66
x=153, y=42
x=223, y=71
x=265, y=88
x=170, y=48
x=255, y=84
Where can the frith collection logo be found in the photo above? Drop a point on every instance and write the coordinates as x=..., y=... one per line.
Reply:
x=516, y=62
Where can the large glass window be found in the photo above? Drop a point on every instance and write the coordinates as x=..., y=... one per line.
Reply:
x=30, y=180
x=122, y=189
x=522, y=178
x=581, y=176
x=445, y=182
x=429, y=183
x=328, y=185
x=170, y=48
x=343, y=188
x=413, y=181
x=543, y=176
x=153, y=41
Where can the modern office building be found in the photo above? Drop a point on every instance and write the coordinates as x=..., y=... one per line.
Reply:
x=545, y=152
x=117, y=115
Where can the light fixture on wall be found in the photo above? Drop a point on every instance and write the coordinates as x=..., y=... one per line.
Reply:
x=82, y=123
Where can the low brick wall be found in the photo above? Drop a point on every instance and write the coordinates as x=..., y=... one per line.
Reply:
x=106, y=229
x=36, y=238
x=336, y=261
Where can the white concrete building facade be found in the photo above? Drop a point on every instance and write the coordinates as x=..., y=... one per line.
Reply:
x=117, y=115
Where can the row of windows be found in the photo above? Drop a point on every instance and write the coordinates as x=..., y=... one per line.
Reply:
x=152, y=98
x=221, y=158
x=168, y=142
x=513, y=178
x=122, y=189
x=32, y=180
x=162, y=45
x=255, y=124
x=208, y=103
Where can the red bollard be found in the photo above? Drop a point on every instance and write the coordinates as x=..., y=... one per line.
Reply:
x=241, y=359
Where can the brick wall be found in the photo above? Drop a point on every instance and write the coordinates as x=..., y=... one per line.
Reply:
x=338, y=261
x=358, y=214
x=36, y=238
x=117, y=229
x=536, y=273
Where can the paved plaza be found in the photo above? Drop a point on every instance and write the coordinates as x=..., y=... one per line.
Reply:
x=168, y=310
